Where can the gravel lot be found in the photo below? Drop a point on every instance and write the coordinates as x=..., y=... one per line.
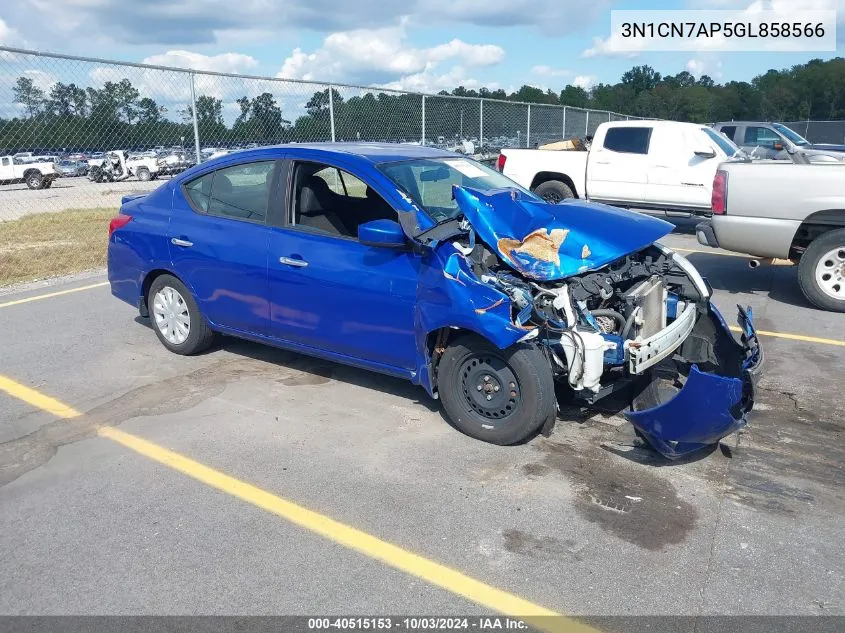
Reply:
x=582, y=522
x=67, y=193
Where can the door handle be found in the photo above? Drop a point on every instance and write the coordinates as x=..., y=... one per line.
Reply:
x=290, y=261
x=180, y=242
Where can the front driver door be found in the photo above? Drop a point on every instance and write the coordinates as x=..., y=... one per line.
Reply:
x=327, y=290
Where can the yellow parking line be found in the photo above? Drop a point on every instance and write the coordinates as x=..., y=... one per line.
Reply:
x=37, y=399
x=397, y=557
x=53, y=294
x=796, y=337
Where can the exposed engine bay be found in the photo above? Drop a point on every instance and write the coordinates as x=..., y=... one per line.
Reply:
x=631, y=314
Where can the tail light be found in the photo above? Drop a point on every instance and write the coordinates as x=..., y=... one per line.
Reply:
x=719, y=200
x=500, y=162
x=118, y=222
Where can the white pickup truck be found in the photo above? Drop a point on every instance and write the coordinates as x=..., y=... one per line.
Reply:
x=650, y=165
x=36, y=175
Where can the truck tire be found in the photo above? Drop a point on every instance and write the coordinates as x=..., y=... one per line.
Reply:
x=821, y=271
x=34, y=180
x=554, y=191
x=497, y=396
x=144, y=174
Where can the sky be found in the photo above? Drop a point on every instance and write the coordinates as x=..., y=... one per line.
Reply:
x=420, y=45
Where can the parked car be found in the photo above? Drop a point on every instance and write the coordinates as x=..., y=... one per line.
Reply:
x=772, y=140
x=784, y=213
x=429, y=266
x=651, y=165
x=71, y=168
x=36, y=175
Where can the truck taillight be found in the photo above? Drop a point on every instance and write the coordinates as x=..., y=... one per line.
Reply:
x=719, y=200
x=500, y=162
x=118, y=222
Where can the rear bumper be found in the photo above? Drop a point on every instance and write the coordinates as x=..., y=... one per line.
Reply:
x=717, y=391
x=705, y=234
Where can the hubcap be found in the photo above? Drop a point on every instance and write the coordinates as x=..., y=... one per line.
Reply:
x=489, y=386
x=830, y=273
x=171, y=315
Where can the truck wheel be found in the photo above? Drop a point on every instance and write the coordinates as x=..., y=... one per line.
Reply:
x=34, y=180
x=554, y=191
x=821, y=271
x=144, y=174
x=498, y=396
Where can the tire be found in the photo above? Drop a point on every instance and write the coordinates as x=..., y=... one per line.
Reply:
x=144, y=174
x=34, y=180
x=554, y=191
x=199, y=336
x=504, y=419
x=821, y=271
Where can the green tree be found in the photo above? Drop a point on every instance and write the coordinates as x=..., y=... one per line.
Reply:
x=30, y=96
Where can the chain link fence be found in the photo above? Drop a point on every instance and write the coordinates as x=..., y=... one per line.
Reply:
x=820, y=131
x=77, y=134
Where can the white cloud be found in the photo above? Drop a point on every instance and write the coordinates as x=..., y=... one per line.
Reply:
x=585, y=81
x=222, y=63
x=383, y=56
x=547, y=71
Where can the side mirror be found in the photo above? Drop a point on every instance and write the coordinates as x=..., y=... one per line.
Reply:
x=778, y=147
x=705, y=152
x=385, y=233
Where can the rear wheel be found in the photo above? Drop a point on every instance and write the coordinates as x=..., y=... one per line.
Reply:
x=821, y=271
x=498, y=396
x=554, y=191
x=176, y=317
x=34, y=180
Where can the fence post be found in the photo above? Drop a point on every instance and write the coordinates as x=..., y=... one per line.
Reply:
x=587, y=125
x=528, y=128
x=480, y=123
x=194, y=117
x=563, y=136
x=331, y=109
x=422, y=142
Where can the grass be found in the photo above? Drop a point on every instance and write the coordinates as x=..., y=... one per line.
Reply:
x=50, y=244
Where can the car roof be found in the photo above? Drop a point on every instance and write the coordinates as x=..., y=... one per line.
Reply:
x=371, y=152
x=735, y=123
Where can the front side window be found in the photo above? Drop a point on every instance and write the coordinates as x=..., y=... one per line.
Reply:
x=761, y=137
x=724, y=144
x=628, y=140
x=429, y=182
x=241, y=192
x=333, y=202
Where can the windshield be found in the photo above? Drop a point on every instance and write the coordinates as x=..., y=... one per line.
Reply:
x=429, y=182
x=722, y=141
x=793, y=136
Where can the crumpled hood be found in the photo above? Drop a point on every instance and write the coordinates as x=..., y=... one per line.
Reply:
x=554, y=241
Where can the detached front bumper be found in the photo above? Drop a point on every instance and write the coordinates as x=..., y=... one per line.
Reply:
x=695, y=403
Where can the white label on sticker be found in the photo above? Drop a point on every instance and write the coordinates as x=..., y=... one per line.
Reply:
x=466, y=168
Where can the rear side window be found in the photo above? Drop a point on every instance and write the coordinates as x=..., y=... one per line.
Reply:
x=628, y=140
x=240, y=192
x=729, y=131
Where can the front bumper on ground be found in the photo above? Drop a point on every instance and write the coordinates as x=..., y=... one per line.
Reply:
x=713, y=402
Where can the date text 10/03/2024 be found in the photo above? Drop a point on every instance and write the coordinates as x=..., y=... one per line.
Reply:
x=481, y=623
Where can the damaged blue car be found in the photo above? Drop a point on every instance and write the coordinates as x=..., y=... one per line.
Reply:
x=429, y=266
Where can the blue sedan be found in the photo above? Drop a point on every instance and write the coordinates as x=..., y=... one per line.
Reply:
x=429, y=266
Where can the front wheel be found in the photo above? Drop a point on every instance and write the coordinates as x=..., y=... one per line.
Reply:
x=821, y=271
x=144, y=174
x=176, y=318
x=498, y=396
